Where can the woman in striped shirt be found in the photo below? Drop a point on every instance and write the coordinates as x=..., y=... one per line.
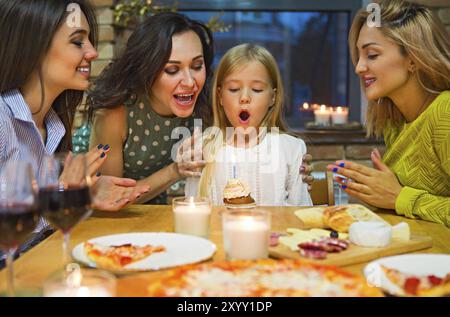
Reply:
x=404, y=65
x=45, y=56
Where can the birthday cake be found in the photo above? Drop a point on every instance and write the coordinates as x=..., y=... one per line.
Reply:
x=237, y=192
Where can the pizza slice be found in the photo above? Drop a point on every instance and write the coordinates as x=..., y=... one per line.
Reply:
x=116, y=257
x=414, y=285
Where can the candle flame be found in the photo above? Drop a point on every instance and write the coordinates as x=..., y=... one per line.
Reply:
x=323, y=108
x=339, y=110
x=305, y=105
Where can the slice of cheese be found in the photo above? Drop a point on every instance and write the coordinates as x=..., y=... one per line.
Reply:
x=370, y=234
x=401, y=231
x=299, y=236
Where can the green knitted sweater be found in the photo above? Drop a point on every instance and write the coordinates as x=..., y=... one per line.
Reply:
x=419, y=154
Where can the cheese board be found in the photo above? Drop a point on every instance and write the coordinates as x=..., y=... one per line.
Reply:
x=339, y=245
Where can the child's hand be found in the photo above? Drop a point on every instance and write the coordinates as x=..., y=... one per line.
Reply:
x=306, y=169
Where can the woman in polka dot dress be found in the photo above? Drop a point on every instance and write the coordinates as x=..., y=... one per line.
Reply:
x=153, y=89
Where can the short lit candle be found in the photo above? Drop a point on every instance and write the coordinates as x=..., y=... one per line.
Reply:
x=339, y=116
x=246, y=237
x=80, y=283
x=322, y=115
x=191, y=216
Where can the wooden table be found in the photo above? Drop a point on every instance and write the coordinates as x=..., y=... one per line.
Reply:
x=34, y=266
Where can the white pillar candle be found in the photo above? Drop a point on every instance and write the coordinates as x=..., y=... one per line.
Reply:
x=246, y=237
x=81, y=291
x=77, y=282
x=191, y=216
x=339, y=116
x=322, y=115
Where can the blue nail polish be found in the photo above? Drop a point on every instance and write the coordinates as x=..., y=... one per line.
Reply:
x=106, y=147
x=342, y=164
x=343, y=186
x=98, y=174
x=102, y=155
x=99, y=146
x=335, y=169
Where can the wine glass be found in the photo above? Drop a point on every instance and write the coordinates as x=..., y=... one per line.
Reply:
x=64, y=193
x=18, y=211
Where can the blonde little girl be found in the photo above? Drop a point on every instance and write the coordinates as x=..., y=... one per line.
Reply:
x=248, y=140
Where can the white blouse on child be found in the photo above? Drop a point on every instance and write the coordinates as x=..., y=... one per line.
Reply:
x=271, y=169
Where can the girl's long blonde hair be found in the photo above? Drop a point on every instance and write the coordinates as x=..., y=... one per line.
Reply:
x=420, y=36
x=233, y=59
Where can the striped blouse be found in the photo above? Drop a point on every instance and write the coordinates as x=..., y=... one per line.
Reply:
x=20, y=138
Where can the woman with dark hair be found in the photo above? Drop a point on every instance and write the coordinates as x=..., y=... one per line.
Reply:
x=156, y=85
x=47, y=47
x=159, y=83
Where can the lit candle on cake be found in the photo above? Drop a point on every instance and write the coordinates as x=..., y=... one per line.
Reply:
x=322, y=115
x=339, y=116
x=246, y=234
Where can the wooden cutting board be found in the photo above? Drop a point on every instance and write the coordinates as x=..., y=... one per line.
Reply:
x=355, y=254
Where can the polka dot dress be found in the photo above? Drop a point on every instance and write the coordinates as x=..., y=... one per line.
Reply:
x=80, y=139
x=149, y=143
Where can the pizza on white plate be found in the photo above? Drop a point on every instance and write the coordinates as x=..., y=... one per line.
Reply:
x=117, y=257
x=418, y=285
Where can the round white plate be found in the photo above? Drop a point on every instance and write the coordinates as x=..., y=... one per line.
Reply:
x=181, y=249
x=414, y=264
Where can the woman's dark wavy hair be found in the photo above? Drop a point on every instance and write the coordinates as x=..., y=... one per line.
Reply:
x=27, y=28
x=147, y=51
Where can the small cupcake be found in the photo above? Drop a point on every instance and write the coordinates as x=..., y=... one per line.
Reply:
x=237, y=192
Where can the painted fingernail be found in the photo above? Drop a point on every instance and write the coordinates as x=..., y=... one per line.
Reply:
x=335, y=169
x=342, y=164
x=99, y=146
x=102, y=155
x=343, y=186
x=106, y=147
x=98, y=174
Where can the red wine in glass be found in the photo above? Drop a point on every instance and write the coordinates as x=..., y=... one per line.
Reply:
x=65, y=208
x=18, y=211
x=64, y=195
x=17, y=222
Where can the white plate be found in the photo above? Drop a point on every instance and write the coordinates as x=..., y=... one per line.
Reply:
x=415, y=264
x=181, y=249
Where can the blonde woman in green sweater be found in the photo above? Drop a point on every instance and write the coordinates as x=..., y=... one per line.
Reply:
x=404, y=66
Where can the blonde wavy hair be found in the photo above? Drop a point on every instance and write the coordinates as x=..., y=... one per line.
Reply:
x=421, y=36
x=233, y=59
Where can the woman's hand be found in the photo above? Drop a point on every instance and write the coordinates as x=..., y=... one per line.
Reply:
x=378, y=187
x=112, y=193
x=189, y=160
x=306, y=169
x=95, y=159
